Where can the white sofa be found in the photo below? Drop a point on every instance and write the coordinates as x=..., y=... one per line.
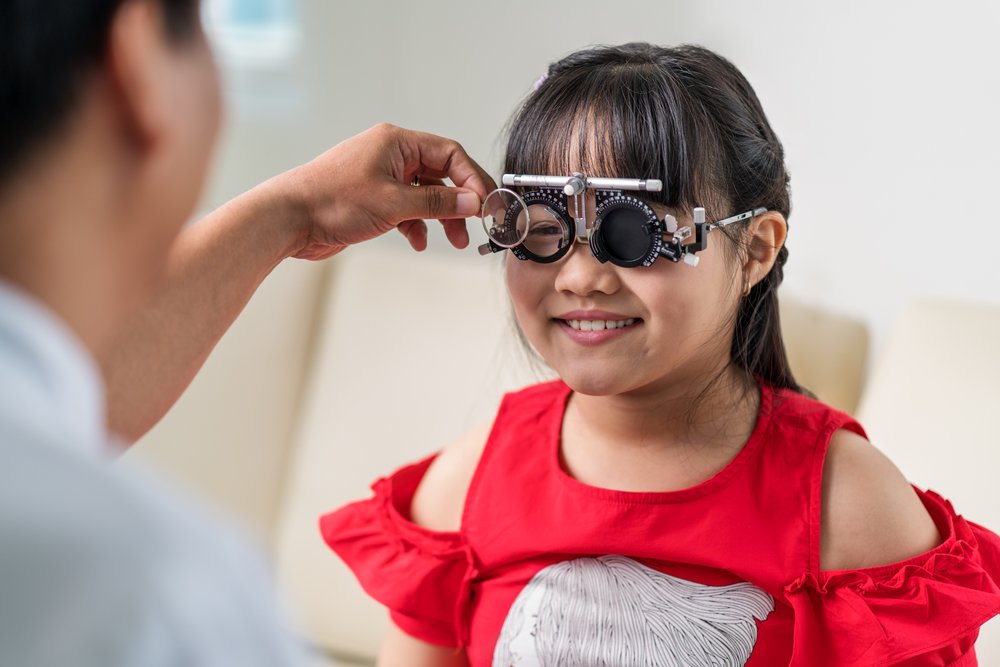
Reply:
x=339, y=372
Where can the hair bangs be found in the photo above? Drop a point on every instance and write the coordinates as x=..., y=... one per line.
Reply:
x=619, y=121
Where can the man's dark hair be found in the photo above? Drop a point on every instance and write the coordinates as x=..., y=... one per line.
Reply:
x=48, y=48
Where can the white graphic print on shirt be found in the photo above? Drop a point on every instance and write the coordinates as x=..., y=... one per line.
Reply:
x=612, y=611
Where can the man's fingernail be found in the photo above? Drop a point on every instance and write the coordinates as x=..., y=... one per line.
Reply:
x=467, y=204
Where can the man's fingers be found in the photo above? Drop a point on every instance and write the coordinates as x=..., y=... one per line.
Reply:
x=426, y=180
x=415, y=232
x=454, y=229
x=437, y=201
x=457, y=233
x=443, y=158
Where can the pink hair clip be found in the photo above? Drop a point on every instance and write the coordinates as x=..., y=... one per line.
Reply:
x=540, y=81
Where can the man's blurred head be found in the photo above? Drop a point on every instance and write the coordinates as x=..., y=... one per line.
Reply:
x=109, y=110
x=48, y=52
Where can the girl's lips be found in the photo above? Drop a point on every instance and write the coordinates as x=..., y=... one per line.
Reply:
x=592, y=315
x=592, y=328
x=599, y=325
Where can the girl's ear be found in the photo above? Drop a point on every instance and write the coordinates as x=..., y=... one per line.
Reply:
x=766, y=236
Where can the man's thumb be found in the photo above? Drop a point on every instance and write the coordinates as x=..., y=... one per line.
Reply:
x=440, y=201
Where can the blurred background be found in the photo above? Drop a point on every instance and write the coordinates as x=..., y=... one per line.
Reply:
x=886, y=110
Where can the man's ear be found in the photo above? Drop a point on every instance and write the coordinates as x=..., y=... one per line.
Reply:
x=135, y=67
x=766, y=235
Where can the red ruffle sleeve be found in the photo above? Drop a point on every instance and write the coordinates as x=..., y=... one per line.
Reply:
x=920, y=612
x=422, y=576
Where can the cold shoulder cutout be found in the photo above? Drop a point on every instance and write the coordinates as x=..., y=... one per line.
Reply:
x=423, y=576
x=439, y=499
x=870, y=514
x=925, y=610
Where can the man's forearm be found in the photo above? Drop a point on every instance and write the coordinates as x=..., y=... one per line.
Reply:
x=214, y=268
x=353, y=192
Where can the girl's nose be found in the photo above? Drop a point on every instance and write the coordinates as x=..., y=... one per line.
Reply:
x=580, y=273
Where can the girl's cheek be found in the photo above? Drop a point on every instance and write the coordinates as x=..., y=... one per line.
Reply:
x=521, y=288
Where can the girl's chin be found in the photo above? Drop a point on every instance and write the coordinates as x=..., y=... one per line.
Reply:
x=597, y=384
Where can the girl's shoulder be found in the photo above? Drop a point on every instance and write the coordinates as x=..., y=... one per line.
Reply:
x=439, y=501
x=870, y=514
x=863, y=510
x=901, y=577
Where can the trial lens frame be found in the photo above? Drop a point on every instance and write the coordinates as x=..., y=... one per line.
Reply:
x=610, y=196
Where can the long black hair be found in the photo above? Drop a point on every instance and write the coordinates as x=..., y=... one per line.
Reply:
x=688, y=117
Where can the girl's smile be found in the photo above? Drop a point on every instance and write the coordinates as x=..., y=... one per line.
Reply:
x=593, y=327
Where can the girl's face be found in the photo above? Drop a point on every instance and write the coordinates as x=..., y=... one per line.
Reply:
x=669, y=323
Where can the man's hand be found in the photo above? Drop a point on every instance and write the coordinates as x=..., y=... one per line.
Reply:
x=361, y=188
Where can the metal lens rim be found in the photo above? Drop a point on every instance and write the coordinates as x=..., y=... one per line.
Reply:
x=565, y=225
x=487, y=227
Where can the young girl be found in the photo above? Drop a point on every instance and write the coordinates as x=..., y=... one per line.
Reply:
x=675, y=498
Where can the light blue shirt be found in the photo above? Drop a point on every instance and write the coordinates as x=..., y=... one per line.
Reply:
x=102, y=565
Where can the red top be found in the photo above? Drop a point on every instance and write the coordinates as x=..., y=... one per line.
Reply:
x=547, y=570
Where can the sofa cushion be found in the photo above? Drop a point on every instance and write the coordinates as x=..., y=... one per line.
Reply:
x=412, y=351
x=227, y=438
x=931, y=405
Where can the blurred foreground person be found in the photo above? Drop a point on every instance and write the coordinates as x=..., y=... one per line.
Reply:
x=109, y=110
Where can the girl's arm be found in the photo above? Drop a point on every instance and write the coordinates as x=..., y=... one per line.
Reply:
x=401, y=650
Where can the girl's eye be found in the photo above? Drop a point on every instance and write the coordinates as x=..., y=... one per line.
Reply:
x=545, y=228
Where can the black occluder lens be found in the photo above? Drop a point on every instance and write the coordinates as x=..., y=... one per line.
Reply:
x=622, y=234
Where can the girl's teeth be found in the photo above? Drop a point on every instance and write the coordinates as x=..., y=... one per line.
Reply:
x=600, y=325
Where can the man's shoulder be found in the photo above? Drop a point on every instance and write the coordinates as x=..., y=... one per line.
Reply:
x=54, y=496
x=118, y=556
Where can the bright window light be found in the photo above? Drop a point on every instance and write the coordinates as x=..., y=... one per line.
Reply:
x=254, y=34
